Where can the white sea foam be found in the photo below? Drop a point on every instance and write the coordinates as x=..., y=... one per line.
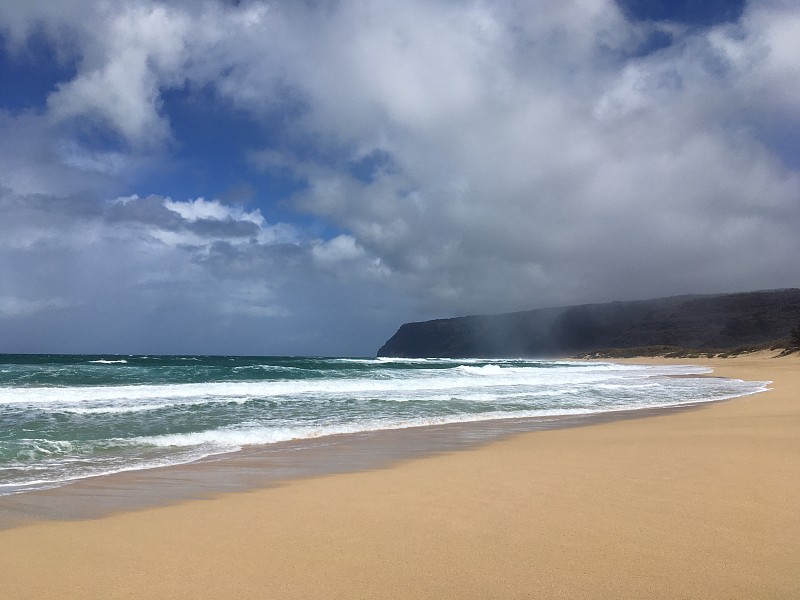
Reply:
x=408, y=384
x=484, y=370
x=233, y=438
x=103, y=361
x=53, y=476
x=220, y=416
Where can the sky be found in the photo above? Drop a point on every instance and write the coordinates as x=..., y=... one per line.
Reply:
x=301, y=177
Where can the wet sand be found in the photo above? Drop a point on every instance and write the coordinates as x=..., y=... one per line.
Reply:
x=689, y=504
x=257, y=467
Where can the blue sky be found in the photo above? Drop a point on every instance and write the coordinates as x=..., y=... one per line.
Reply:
x=301, y=178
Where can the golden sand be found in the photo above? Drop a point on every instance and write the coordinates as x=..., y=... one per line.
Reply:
x=702, y=503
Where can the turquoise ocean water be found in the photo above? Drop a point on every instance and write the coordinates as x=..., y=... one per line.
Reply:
x=64, y=418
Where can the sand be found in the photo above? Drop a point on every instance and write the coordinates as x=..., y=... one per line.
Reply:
x=693, y=504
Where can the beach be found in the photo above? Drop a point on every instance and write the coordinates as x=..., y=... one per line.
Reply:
x=698, y=503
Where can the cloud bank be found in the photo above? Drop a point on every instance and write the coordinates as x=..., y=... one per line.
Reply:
x=445, y=159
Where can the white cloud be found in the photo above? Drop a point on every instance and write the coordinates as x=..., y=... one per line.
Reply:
x=200, y=208
x=541, y=162
x=341, y=248
x=526, y=154
x=139, y=50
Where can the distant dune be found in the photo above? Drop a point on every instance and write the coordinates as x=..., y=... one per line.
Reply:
x=707, y=323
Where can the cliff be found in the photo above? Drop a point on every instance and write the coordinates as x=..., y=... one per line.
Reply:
x=703, y=322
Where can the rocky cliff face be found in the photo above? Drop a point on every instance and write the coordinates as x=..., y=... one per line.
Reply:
x=702, y=322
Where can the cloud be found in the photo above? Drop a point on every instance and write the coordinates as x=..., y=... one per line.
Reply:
x=11, y=306
x=534, y=161
x=140, y=51
x=153, y=274
x=459, y=158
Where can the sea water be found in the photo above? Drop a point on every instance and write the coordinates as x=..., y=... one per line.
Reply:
x=68, y=417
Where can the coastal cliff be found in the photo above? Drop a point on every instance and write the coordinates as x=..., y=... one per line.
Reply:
x=719, y=322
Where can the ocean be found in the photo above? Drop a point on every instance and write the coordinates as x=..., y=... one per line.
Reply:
x=68, y=417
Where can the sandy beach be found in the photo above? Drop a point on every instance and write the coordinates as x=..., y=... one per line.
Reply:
x=700, y=503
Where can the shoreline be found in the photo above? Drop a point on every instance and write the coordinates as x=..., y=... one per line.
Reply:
x=261, y=466
x=687, y=503
x=258, y=467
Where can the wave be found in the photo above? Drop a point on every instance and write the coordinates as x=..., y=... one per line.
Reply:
x=225, y=391
x=103, y=361
x=48, y=476
x=351, y=400
x=234, y=438
x=231, y=439
x=402, y=383
x=484, y=370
